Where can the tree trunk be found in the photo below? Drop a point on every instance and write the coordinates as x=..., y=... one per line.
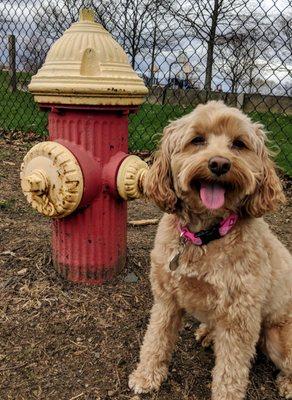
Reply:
x=133, y=60
x=233, y=84
x=250, y=72
x=210, y=49
x=152, y=72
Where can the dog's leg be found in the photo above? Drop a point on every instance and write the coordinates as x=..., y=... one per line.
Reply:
x=235, y=341
x=278, y=345
x=157, y=347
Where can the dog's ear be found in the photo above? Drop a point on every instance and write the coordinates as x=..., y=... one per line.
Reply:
x=269, y=191
x=158, y=184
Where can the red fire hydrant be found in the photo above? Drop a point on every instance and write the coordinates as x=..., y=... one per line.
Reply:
x=83, y=175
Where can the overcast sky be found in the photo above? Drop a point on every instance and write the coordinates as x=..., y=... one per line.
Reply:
x=21, y=12
x=24, y=9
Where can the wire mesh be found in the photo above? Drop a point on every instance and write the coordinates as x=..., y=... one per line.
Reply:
x=187, y=52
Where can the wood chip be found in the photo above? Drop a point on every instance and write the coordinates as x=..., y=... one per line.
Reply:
x=8, y=163
x=23, y=271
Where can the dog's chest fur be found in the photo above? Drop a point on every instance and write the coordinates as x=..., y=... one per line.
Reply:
x=202, y=281
x=197, y=297
x=208, y=278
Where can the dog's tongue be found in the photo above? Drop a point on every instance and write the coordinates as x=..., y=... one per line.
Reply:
x=212, y=195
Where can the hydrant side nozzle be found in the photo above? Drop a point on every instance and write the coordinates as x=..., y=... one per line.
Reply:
x=130, y=177
x=141, y=179
x=51, y=179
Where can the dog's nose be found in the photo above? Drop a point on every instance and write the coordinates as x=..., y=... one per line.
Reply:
x=219, y=165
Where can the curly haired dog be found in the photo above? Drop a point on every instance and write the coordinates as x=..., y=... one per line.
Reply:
x=214, y=257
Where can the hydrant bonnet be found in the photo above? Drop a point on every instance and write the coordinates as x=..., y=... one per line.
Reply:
x=87, y=66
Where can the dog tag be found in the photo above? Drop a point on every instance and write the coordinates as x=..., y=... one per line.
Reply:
x=173, y=265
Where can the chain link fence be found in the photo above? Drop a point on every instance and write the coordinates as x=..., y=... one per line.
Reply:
x=187, y=51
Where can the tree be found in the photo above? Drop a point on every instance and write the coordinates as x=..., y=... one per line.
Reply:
x=206, y=19
x=160, y=35
x=158, y=40
x=283, y=38
x=34, y=54
x=53, y=17
x=237, y=53
x=131, y=23
x=126, y=20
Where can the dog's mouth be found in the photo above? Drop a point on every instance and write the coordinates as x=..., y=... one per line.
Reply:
x=212, y=194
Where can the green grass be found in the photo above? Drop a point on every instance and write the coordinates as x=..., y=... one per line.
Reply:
x=19, y=112
x=147, y=125
x=279, y=128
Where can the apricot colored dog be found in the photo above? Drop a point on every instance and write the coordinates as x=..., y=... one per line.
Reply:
x=214, y=256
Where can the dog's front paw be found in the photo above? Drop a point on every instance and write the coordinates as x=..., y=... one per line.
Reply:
x=145, y=380
x=285, y=386
x=204, y=335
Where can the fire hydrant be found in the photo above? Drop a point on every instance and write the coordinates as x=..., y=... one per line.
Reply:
x=82, y=176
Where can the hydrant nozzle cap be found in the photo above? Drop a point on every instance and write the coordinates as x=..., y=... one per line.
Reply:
x=130, y=177
x=86, y=66
x=51, y=179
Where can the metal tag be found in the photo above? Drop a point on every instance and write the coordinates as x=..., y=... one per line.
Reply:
x=173, y=265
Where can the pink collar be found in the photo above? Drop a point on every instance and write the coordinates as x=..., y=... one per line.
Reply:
x=215, y=232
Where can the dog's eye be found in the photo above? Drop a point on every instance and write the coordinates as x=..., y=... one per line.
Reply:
x=238, y=144
x=199, y=140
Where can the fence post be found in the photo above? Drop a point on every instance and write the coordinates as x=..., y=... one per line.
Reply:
x=12, y=62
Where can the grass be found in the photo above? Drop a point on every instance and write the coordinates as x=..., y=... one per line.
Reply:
x=279, y=129
x=19, y=112
x=146, y=126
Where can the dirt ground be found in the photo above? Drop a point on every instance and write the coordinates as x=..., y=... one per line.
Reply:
x=63, y=341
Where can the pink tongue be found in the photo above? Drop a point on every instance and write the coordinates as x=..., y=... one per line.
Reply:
x=212, y=195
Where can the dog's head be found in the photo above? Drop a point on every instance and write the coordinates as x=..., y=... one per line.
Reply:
x=214, y=159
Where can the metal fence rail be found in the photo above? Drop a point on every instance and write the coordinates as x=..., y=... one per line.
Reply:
x=187, y=51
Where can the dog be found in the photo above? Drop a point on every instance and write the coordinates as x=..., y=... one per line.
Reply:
x=214, y=256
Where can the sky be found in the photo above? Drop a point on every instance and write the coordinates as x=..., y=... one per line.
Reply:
x=21, y=15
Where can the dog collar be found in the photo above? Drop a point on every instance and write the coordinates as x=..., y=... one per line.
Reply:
x=214, y=232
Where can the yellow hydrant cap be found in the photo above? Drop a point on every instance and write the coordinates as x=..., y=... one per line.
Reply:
x=130, y=177
x=51, y=179
x=87, y=66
